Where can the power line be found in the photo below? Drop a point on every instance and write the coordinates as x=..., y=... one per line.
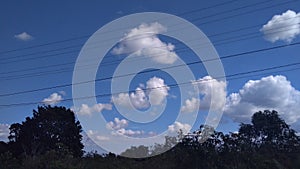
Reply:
x=231, y=76
x=37, y=68
x=45, y=44
x=63, y=70
x=75, y=51
x=70, y=63
x=252, y=35
x=248, y=12
x=206, y=8
x=86, y=36
x=233, y=10
x=197, y=19
x=278, y=30
x=42, y=52
x=75, y=46
x=263, y=74
x=153, y=70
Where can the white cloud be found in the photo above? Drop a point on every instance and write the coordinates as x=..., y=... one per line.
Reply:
x=138, y=99
x=209, y=87
x=283, y=27
x=4, y=132
x=121, y=99
x=158, y=90
x=272, y=92
x=152, y=133
x=53, y=99
x=191, y=105
x=119, y=128
x=156, y=93
x=176, y=126
x=23, y=36
x=96, y=136
x=117, y=124
x=128, y=132
x=97, y=108
x=62, y=93
x=144, y=41
x=102, y=138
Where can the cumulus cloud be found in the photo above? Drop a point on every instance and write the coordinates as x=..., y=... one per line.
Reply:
x=128, y=132
x=158, y=90
x=4, y=132
x=95, y=135
x=283, y=27
x=53, y=99
x=119, y=128
x=23, y=36
x=209, y=87
x=117, y=124
x=272, y=92
x=176, y=126
x=191, y=105
x=155, y=93
x=97, y=108
x=138, y=99
x=143, y=40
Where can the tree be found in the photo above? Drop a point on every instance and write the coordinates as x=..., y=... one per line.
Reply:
x=50, y=128
x=170, y=141
x=3, y=147
x=136, y=152
x=269, y=130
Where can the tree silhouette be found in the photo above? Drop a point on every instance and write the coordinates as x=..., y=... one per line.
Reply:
x=268, y=142
x=136, y=152
x=52, y=136
x=3, y=147
x=270, y=131
x=50, y=128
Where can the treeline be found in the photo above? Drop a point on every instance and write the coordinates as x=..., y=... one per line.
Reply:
x=51, y=140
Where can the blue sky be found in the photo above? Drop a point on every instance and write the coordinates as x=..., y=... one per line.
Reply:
x=232, y=26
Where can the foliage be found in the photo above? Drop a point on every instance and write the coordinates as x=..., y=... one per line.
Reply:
x=50, y=128
x=267, y=143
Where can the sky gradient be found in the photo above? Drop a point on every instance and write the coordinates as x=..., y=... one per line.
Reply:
x=257, y=42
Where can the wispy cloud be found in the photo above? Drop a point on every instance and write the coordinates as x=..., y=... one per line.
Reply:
x=23, y=36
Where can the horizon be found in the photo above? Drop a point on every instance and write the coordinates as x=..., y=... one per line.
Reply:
x=255, y=66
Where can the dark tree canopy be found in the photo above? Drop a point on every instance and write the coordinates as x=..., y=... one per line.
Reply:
x=136, y=152
x=50, y=128
x=267, y=142
x=269, y=130
x=3, y=147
